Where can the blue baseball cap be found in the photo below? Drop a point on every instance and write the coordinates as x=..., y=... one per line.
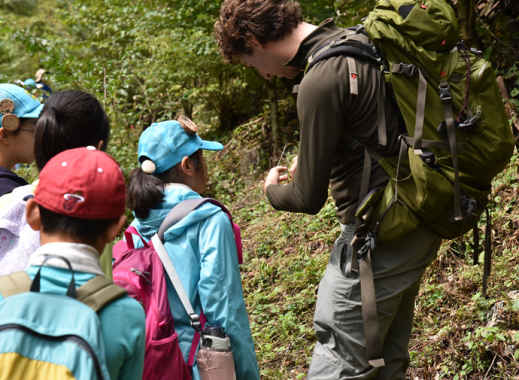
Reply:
x=167, y=143
x=25, y=105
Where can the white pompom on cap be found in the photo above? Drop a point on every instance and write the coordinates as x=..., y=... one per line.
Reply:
x=148, y=167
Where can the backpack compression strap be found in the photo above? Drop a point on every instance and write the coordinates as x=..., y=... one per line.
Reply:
x=96, y=293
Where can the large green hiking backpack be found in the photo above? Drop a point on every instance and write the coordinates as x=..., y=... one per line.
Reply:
x=458, y=137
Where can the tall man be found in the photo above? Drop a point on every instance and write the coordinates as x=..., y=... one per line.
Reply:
x=337, y=111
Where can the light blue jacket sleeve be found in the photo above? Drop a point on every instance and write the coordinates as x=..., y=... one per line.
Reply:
x=221, y=292
x=123, y=325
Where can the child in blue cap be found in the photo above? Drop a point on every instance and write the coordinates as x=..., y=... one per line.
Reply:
x=18, y=114
x=201, y=245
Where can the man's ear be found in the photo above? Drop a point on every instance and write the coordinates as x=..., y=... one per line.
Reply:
x=32, y=214
x=254, y=43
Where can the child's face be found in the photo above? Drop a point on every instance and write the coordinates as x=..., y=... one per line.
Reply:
x=24, y=141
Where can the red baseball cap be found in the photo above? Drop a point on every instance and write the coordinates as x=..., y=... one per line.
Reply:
x=83, y=183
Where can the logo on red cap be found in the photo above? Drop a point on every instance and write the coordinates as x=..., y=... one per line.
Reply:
x=70, y=201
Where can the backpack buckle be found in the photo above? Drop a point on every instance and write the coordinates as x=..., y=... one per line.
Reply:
x=195, y=321
x=470, y=123
x=407, y=69
x=445, y=92
x=362, y=245
x=428, y=158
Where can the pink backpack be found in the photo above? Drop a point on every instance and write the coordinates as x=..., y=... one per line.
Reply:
x=141, y=273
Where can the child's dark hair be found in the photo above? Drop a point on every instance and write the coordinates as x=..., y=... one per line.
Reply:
x=86, y=231
x=146, y=191
x=69, y=119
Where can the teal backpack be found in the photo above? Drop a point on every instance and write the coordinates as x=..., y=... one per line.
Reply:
x=51, y=336
x=457, y=136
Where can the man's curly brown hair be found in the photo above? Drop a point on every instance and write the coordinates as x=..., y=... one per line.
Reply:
x=264, y=20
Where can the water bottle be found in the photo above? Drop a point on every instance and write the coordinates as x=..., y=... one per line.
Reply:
x=215, y=359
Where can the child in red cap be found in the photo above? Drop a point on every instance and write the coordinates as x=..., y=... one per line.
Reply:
x=78, y=207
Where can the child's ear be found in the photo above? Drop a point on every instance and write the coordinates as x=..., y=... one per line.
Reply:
x=32, y=214
x=115, y=228
x=187, y=166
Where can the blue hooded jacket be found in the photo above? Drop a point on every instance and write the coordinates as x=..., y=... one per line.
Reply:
x=203, y=251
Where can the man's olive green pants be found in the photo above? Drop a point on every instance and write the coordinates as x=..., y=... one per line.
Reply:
x=340, y=352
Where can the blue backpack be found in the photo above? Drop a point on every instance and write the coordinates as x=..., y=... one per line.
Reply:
x=53, y=336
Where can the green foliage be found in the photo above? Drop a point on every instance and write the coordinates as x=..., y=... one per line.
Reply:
x=146, y=61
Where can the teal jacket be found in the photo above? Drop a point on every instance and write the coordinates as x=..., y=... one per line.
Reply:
x=203, y=251
x=122, y=323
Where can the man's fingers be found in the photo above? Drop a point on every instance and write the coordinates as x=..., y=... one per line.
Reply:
x=293, y=166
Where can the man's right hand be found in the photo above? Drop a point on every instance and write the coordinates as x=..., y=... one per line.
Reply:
x=275, y=176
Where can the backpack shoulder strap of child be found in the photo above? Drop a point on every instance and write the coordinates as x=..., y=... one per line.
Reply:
x=96, y=293
x=185, y=207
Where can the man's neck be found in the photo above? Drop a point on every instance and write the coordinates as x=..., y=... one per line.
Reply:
x=288, y=46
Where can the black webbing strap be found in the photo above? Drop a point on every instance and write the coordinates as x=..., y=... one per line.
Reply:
x=446, y=98
x=363, y=191
x=366, y=174
x=487, y=266
x=381, y=108
x=362, y=250
x=369, y=311
x=351, y=50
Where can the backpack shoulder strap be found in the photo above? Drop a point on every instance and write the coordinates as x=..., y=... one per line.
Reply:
x=14, y=283
x=178, y=212
x=99, y=292
x=185, y=207
x=354, y=45
x=96, y=293
x=351, y=43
